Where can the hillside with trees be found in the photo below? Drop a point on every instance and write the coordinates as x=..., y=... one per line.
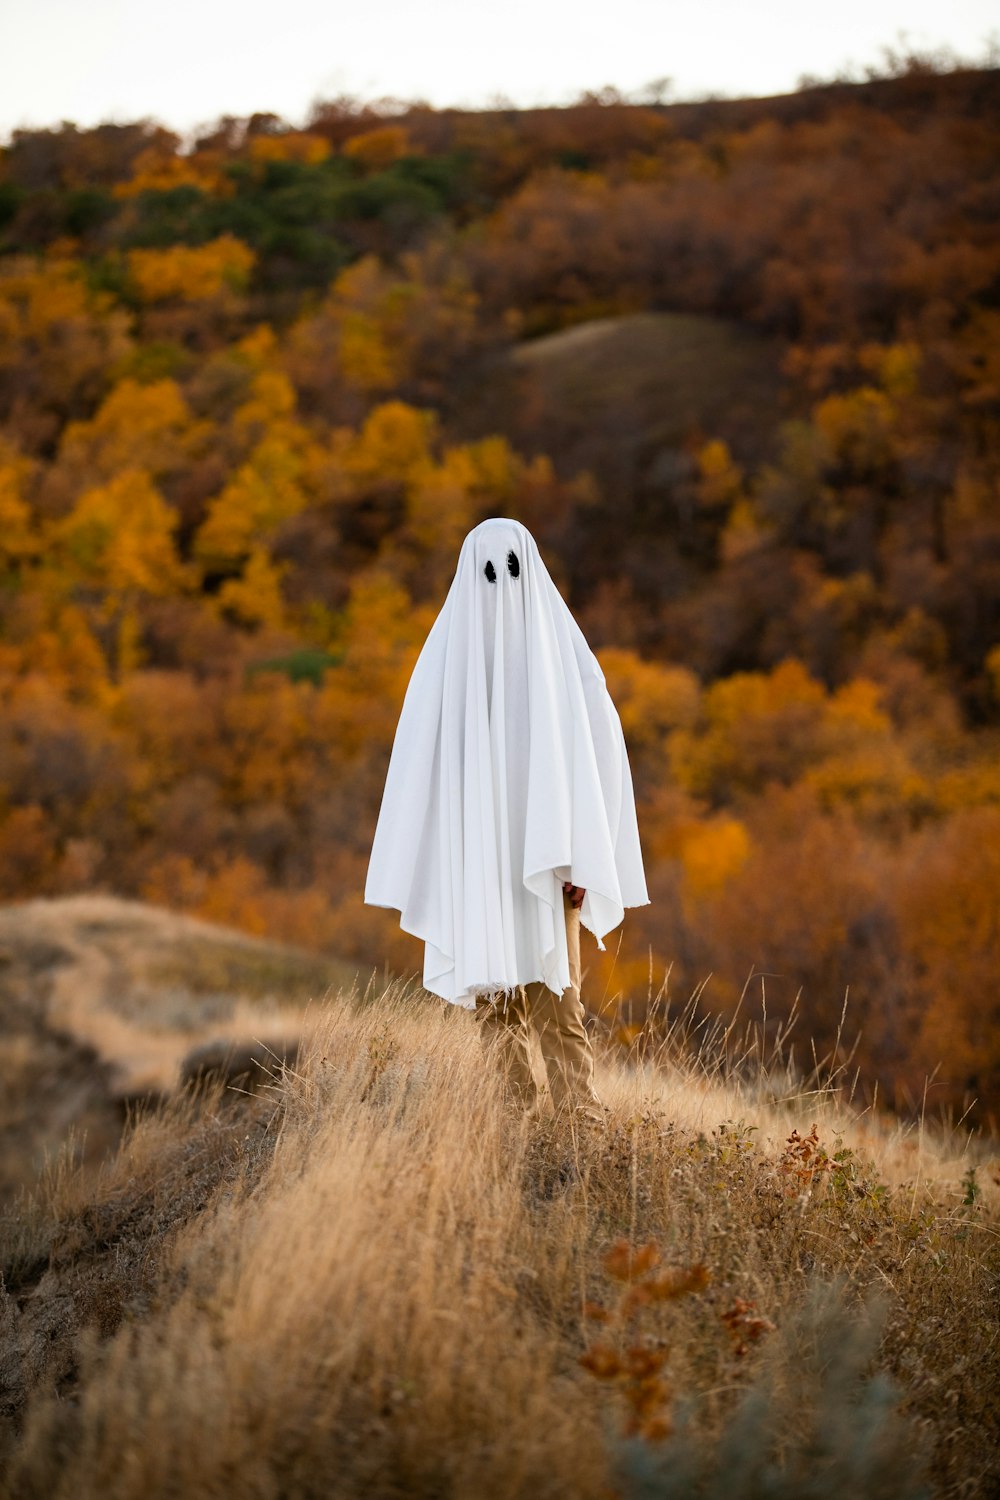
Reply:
x=735, y=363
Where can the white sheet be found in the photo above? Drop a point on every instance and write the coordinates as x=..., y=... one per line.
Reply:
x=508, y=775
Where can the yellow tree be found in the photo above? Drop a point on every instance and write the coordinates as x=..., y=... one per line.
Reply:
x=720, y=478
x=380, y=327
x=394, y=446
x=119, y=539
x=114, y=548
x=265, y=490
x=278, y=474
x=190, y=273
x=756, y=727
x=19, y=539
x=146, y=427
x=58, y=340
x=379, y=148
x=161, y=169
x=290, y=145
x=268, y=729
x=255, y=597
x=782, y=727
x=376, y=640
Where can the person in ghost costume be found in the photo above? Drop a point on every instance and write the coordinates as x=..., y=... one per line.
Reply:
x=508, y=816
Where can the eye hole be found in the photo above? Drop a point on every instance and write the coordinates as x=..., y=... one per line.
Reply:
x=513, y=566
x=490, y=572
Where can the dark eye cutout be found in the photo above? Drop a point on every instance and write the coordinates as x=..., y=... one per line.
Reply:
x=490, y=572
x=513, y=566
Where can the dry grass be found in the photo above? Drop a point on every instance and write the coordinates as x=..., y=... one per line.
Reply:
x=138, y=984
x=375, y=1283
x=102, y=1000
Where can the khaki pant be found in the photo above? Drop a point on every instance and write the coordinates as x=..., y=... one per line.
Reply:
x=506, y=1023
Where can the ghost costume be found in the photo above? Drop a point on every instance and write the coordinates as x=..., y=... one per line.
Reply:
x=508, y=777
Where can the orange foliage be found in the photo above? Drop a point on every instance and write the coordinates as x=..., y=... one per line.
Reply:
x=160, y=170
x=227, y=519
x=171, y=725
x=379, y=328
x=379, y=148
x=56, y=640
x=27, y=853
x=255, y=597
x=789, y=911
x=291, y=145
x=377, y=641
x=147, y=427
x=720, y=480
x=191, y=273
x=653, y=699
x=782, y=727
x=19, y=539
x=948, y=903
x=712, y=853
x=58, y=340
x=236, y=894
x=264, y=491
x=393, y=446
x=118, y=539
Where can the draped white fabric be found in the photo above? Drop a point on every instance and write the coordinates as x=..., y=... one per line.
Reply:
x=508, y=775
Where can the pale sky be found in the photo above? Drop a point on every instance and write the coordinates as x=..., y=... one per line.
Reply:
x=190, y=61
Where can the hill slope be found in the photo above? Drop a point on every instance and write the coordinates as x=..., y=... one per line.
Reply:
x=372, y=1280
x=621, y=397
x=101, y=999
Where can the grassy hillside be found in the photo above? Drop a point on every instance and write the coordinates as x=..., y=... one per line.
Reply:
x=101, y=1001
x=620, y=396
x=369, y=1279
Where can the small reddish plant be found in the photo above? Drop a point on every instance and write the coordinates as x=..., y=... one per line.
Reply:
x=745, y=1325
x=803, y=1162
x=627, y=1356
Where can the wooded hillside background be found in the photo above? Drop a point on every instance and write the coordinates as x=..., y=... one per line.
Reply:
x=735, y=363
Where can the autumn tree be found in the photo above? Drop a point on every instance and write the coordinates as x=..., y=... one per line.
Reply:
x=948, y=899
x=59, y=342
